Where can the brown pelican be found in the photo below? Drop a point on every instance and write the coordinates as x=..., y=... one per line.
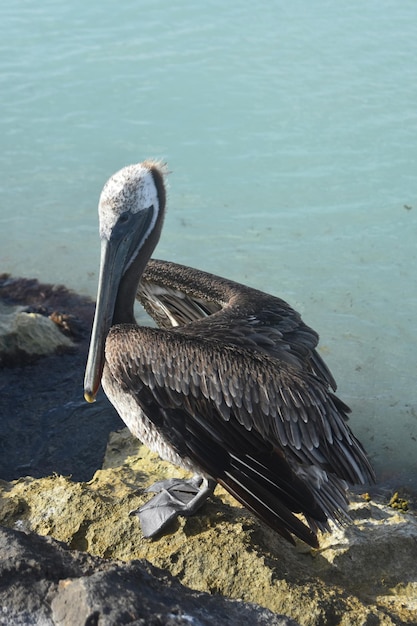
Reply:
x=230, y=385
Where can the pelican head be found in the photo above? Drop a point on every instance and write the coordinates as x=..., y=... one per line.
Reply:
x=131, y=210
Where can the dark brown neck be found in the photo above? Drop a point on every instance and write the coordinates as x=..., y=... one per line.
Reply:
x=125, y=301
x=126, y=296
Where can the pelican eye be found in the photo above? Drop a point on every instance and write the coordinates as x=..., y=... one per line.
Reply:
x=124, y=217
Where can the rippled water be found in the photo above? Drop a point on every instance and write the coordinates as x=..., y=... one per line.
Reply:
x=291, y=133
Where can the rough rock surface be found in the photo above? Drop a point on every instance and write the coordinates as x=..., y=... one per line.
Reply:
x=365, y=573
x=30, y=334
x=43, y=583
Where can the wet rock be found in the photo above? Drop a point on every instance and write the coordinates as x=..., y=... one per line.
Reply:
x=45, y=425
x=44, y=583
x=364, y=573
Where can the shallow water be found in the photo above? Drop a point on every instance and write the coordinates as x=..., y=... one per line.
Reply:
x=290, y=131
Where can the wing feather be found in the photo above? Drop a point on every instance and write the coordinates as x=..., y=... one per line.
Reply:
x=180, y=297
x=290, y=409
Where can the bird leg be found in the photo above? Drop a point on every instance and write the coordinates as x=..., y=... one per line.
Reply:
x=174, y=497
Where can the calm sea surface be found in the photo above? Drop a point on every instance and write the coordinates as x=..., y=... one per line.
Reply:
x=290, y=130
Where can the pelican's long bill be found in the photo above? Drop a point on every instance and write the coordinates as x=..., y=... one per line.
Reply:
x=117, y=251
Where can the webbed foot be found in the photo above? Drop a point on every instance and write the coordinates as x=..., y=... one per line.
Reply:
x=175, y=496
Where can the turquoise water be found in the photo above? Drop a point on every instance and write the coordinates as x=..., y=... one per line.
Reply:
x=290, y=130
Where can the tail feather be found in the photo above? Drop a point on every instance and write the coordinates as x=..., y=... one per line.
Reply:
x=276, y=494
x=275, y=490
x=268, y=508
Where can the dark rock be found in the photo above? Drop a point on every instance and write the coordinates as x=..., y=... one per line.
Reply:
x=43, y=583
x=45, y=425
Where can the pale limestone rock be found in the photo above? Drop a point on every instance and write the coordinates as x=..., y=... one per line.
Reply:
x=364, y=573
x=29, y=333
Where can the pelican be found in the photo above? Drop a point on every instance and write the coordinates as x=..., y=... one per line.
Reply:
x=229, y=386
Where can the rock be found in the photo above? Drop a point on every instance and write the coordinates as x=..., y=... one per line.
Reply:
x=43, y=583
x=29, y=334
x=46, y=426
x=364, y=573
